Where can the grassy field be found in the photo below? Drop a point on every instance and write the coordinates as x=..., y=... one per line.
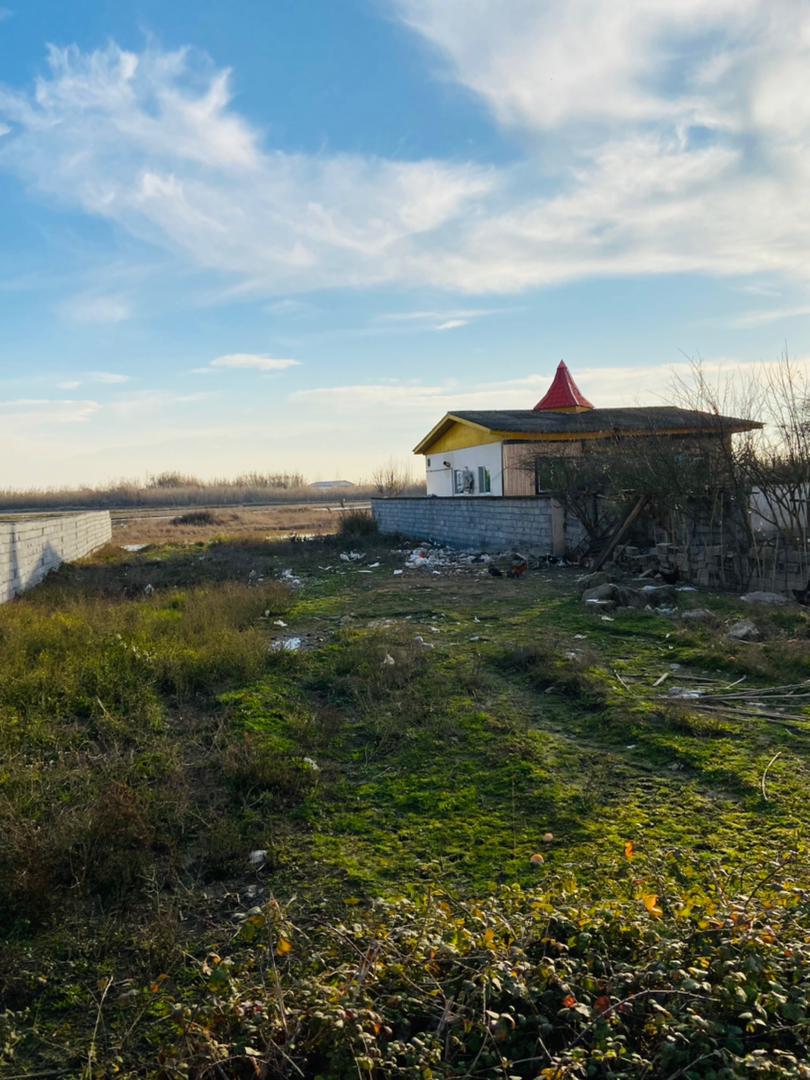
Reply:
x=457, y=831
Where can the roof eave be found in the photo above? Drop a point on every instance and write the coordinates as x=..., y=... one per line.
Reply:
x=424, y=445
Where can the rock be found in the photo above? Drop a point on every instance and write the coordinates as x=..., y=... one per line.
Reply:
x=610, y=594
x=631, y=598
x=600, y=577
x=744, y=630
x=606, y=591
x=658, y=595
x=765, y=598
x=699, y=614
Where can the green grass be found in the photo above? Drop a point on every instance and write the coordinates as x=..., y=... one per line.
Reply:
x=399, y=770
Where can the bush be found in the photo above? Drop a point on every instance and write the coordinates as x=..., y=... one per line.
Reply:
x=197, y=517
x=643, y=979
x=357, y=524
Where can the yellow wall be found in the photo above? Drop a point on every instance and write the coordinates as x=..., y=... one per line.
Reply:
x=459, y=436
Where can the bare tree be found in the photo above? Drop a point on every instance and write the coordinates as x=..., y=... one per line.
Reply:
x=393, y=478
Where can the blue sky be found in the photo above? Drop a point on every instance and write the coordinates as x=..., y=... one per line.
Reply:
x=290, y=234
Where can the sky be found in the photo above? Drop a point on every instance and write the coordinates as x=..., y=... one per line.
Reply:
x=289, y=235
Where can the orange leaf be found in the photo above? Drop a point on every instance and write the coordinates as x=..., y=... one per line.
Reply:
x=629, y=849
x=650, y=902
x=284, y=948
x=569, y=1001
x=601, y=1005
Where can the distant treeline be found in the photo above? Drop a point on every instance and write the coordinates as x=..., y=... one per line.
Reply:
x=180, y=489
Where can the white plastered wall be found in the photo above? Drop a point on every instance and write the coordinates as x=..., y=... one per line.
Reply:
x=439, y=468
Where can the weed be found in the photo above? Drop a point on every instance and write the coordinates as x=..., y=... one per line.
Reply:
x=197, y=517
x=357, y=525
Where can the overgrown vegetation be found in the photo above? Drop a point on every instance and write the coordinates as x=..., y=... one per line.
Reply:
x=454, y=833
x=702, y=490
x=178, y=489
x=357, y=525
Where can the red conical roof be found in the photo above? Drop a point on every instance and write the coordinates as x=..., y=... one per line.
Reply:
x=563, y=395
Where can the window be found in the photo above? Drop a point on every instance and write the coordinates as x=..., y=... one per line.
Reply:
x=484, y=480
x=546, y=473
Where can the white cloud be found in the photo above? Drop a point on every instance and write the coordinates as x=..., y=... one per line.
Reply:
x=250, y=362
x=109, y=378
x=543, y=66
x=762, y=318
x=664, y=136
x=95, y=308
x=23, y=413
x=452, y=324
x=151, y=142
x=605, y=387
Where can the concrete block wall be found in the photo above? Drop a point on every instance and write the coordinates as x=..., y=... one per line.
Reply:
x=478, y=522
x=31, y=547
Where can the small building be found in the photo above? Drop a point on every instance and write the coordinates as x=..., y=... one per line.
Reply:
x=332, y=485
x=500, y=452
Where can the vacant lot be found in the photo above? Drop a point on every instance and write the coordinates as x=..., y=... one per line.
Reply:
x=268, y=811
x=201, y=524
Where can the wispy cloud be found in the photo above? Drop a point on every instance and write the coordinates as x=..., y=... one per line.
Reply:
x=95, y=308
x=439, y=320
x=22, y=413
x=770, y=315
x=667, y=138
x=5, y=13
x=247, y=362
x=606, y=387
x=109, y=378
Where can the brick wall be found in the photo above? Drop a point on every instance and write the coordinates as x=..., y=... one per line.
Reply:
x=31, y=547
x=479, y=523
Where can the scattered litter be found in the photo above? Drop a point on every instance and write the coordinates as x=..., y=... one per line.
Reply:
x=277, y=622
x=607, y=618
x=686, y=588
x=352, y=556
x=258, y=857
x=580, y=637
x=290, y=578
x=631, y=746
x=451, y=560
x=363, y=571
x=684, y=693
x=388, y=660
x=373, y=566
x=134, y=547
x=398, y=573
x=765, y=598
x=421, y=640
x=290, y=644
x=148, y=590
